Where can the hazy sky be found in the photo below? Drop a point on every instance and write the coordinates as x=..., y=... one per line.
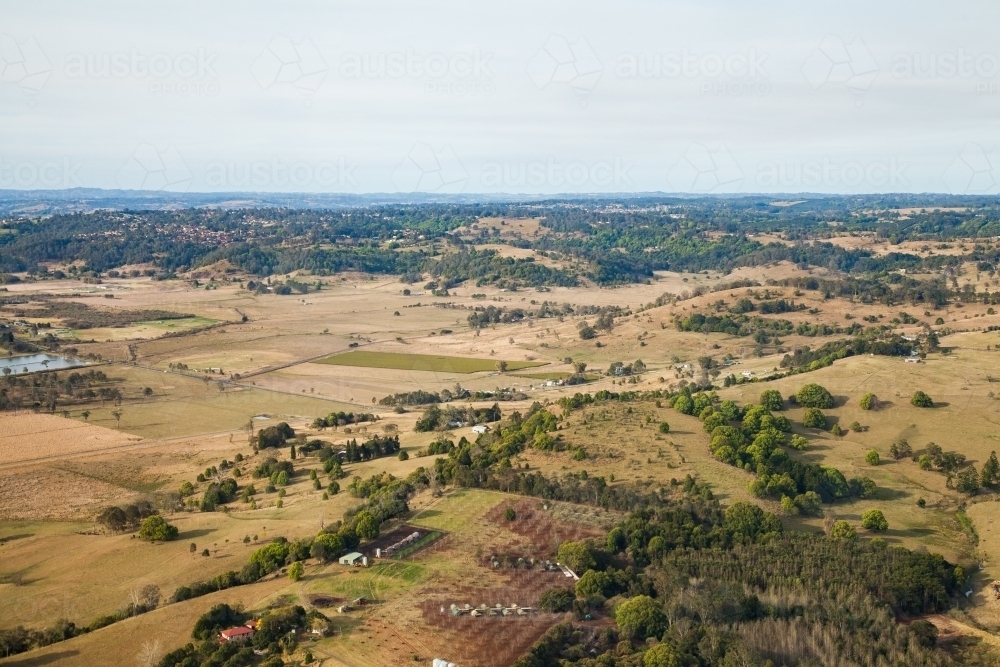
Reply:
x=522, y=97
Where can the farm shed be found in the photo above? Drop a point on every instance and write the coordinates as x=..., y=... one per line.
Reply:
x=353, y=558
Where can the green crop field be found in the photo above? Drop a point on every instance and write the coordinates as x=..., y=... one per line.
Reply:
x=420, y=362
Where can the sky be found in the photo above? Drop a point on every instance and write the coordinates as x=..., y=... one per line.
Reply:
x=514, y=97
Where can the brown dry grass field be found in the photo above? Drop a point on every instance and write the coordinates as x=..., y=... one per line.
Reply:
x=28, y=436
x=57, y=473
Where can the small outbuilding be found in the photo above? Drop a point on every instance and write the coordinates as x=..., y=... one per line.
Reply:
x=353, y=558
x=480, y=428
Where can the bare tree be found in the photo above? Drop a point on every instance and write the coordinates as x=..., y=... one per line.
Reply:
x=149, y=654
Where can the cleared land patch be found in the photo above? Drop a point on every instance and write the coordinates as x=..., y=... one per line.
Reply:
x=420, y=362
x=30, y=436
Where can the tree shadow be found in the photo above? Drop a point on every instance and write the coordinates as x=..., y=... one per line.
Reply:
x=430, y=513
x=883, y=493
x=11, y=538
x=197, y=532
x=913, y=532
x=39, y=660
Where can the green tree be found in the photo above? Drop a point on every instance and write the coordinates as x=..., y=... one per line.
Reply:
x=921, y=400
x=640, y=617
x=967, y=480
x=509, y=514
x=664, y=427
x=326, y=547
x=842, y=530
x=403, y=455
x=156, y=529
x=814, y=418
x=729, y=410
x=874, y=521
x=617, y=540
x=798, y=442
x=869, y=401
x=365, y=525
x=556, y=600
x=593, y=582
x=661, y=655
x=900, y=449
x=925, y=632
x=576, y=556
x=684, y=404
x=990, y=475
x=814, y=396
x=871, y=458
x=772, y=400
x=809, y=503
x=296, y=571
x=748, y=521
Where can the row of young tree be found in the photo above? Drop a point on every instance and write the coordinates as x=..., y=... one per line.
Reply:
x=687, y=583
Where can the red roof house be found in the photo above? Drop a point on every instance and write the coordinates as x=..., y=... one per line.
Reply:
x=237, y=634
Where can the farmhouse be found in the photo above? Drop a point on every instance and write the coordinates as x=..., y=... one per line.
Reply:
x=353, y=558
x=240, y=633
